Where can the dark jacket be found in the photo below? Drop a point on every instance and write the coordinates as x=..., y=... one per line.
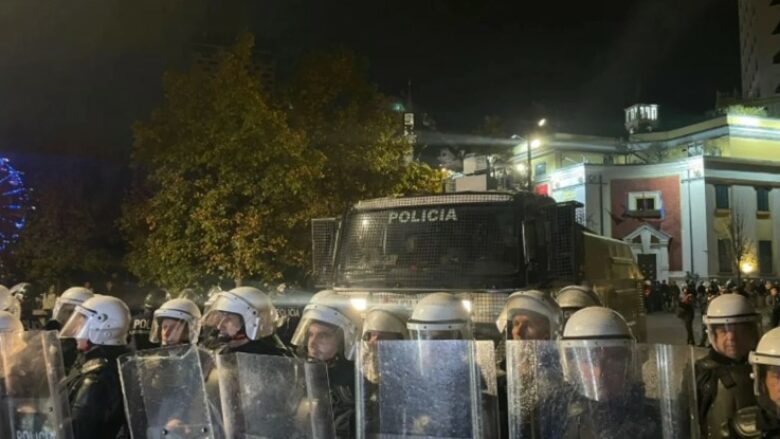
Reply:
x=270, y=345
x=754, y=422
x=341, y=377
x=95, y=394
x=723, y=386
x=140, y=328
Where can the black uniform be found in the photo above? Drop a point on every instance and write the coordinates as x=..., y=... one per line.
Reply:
x=630, y=417
x=140, y=327
x=754, y=422
x=270, y=345
x=95, y=394
x=723, y=386
x=341, y=377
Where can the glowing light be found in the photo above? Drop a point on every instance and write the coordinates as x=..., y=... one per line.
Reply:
x=359, y=303
x=536, y=143
x=542, y=122
x=746, y=267
x=466, y=304
x=521, y=168
x=365, y=222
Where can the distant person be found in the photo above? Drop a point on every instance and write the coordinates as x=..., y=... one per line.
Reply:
x=685, y=311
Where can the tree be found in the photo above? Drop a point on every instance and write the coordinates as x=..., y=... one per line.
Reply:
x=225, y=185
x=64, y=239
x=739, y=241
x=350, y=124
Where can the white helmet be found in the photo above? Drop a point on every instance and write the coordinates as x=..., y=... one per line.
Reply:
x=386, y=318
x=8, y=302
x=598, y=354
x=440, y=316
x=764, y=359
x=530, y=302
x=728, y=309
x=258, y=314
x=184, y=311
x=575, y=296
x=103, y=320
x=67, y=302
x=333, y=309
x=597, y=323
x=10, y=323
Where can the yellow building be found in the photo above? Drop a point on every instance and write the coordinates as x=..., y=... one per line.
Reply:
x=678, y=196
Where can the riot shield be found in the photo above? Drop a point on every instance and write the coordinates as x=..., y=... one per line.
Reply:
x=165, y=394
x=33, y=398
x=605, y=389
x=274, y=397
x=426, y=389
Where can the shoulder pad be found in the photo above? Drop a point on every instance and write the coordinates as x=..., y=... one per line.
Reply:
x=745, y=422
x=707, y=363
x=94, y=365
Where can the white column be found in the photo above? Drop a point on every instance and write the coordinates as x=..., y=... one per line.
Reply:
x=774, y=211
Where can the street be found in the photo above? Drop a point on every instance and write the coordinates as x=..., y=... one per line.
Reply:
x=666, y=327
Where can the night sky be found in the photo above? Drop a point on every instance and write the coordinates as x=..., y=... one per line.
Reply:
x=75, y=75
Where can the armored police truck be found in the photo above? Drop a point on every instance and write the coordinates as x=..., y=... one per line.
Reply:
x=480, y=246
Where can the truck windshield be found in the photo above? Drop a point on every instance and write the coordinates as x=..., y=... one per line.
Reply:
x=460, y=246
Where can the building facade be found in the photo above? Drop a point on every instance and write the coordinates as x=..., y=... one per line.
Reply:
x=683, y=199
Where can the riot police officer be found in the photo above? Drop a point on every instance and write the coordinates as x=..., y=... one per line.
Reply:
x=28, y=298
x=723, y=380
x=100, y=326
x=142, y=321
x=527, y=315
x=243, y=320
x=599, y=363
x=530, y=315
x=762, y=420
x=575, y=297
x=176, y=322
x=328, y=331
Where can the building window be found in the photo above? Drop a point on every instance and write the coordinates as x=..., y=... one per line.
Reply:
x=765, y=257
x=762, y=199
x=721, y=196
x=725, y=264
x=644, y=204
x=777, y=29
x=776, y=58
x=774, y=2
x=540, y=169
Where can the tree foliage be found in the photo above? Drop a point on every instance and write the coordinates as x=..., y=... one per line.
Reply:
x=743, y=110
x=64, y=239
x=229, y=176
x=351, y=124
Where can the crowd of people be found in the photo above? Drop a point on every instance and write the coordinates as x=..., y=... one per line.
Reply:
x=565, y=367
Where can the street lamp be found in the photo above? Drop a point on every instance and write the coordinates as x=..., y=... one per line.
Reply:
x=531, y=142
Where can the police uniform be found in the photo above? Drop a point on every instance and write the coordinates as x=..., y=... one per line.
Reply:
x=95, y=394
x=140, y=327
x=723, y=386
x=341, y=377
x=753, y=423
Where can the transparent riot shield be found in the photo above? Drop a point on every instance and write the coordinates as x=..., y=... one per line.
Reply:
x=165, y=394
x=33, y=398
x=604, y=389
x=274, y=397
x=426, y=389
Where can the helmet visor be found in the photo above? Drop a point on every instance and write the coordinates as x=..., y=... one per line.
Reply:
x=228, y=324
x=63, y=312
x=599, y=373
x=169, y=331
x=76, y=326
x=734, y=340
x=433, y=334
